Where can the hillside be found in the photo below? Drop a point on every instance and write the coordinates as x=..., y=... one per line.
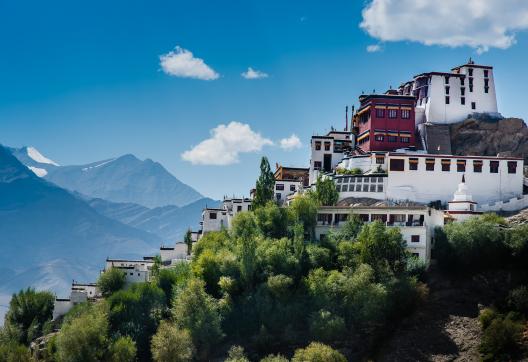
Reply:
x=489, y=137
x=47, y=233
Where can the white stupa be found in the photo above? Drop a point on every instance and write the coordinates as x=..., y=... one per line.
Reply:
x=462, y=207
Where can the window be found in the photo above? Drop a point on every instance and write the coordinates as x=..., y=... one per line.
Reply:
x=471, y=88
x=416, y=255
x=470, y=72
x=380, y=160
x=486, y=83
x=358, y=188
x=447, y=99
x=461, y=165
x=494, y=166
x=344, y=188
x=405, y=114
x=446, y=165
x=462, y=81
x=380, y=188
x=429, y=164
x=473, y=105
x=318, y=145
x=471, y=82
x=415, y=238
x=278, y=196
x=397, y=164
x=327, y=146
x=372, y=188
x=380, y=113
x=212, y=216
x=413, y=164
x=379, y=138
x=447, y=90
x=477, y=166
x=279, y=187
x=446, y=79
x=239, y=208
x=393, y=139
x=486, y=73
x=338, y=188
x=365, y=188
x=317, y=165
x=405, y=139
x=463, y=91
x=512, y=167
x=393, y=113
x=486, y=89
x=463, y=100
x=292, y=187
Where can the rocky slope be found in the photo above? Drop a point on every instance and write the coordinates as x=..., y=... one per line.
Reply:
x=489, y=137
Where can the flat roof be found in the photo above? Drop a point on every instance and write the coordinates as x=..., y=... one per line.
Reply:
x=378, y=207
x=449, y=74
x=428, y=155
x=470, y=65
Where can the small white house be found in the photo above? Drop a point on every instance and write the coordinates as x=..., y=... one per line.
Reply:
x=177, y=253
x=216, y=219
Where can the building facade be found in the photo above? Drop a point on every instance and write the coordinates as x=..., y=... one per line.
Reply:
x=216, y=219
x=327, y=151
x=385, y=122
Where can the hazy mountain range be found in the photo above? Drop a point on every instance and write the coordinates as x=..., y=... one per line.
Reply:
x=60, y=223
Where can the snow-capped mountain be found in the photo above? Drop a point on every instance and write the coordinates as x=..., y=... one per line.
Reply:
x=34, y=160
x=124, y=179
x=46, y=233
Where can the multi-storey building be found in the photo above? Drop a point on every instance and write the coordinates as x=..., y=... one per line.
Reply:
x=450, y=97
x=215, y=219
x=327, y=151
x=289, y=180
x=385, y=122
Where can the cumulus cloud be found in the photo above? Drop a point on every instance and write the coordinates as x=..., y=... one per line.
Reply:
x=290, y=143
x=182, y=63
x=225, y=145
x=251, y=73
x=374, y=48
x=480, y=24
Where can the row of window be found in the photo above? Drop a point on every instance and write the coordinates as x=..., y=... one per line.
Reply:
x=280, y=187
x=327, y=145
x=470, y=74
x=360, y=188
x=354, y=180
x=399, y=165
x=392, y=139
x=393, y=113
x=462, y=101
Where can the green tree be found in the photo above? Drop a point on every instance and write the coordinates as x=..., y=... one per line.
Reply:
x=274, y=358
x=188, y=241
x=14, y=352
x=136, y=312
x=111, y=281
x=318, y=352
x=170, y=278
x=193, y=309
x=265, y=185
x=303, y=210
x=326, y=326
x=123, y=349
x=85, y=337
x=272, y=220
x=501, y=339
x=325, y=191
x=171, y=344
x=236, y=354
x=28, y=311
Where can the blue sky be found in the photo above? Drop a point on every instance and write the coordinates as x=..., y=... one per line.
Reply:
x=83, y=81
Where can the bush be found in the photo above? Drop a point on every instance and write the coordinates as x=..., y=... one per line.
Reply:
x=318, y=352
x=500, y=340
x=84, y=337
x=416, y=267
x=28, y=312
x=171, y=344
x=274, y=358
x=170, y=278
x=14, y=352
x=326, y=327
x=518, y=300
x=318, y=256
x=123, y=349
x=272, y=220
x=236, y=354
x=196, y=311
x=111, y=281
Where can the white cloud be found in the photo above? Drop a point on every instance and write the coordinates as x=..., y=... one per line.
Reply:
x=290, y=143
x=225, y=145
x=253, y=74
x=373, y=48
x=480, y=24
x=181, y=63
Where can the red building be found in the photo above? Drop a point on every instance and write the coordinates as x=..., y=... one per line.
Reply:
x=385, y=122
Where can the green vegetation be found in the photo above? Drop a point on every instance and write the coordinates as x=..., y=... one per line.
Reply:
x=265, y=187
x=354, y=171
x=325, y=191
x=111, y=281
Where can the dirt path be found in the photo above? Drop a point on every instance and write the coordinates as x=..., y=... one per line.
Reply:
x=446, y=328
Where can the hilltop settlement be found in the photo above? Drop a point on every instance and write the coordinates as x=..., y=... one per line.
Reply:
x=391, y=163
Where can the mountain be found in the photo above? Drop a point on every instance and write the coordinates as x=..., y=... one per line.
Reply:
x=168, y=222
x=34, y=160
x=125, y=179
x=49, y=236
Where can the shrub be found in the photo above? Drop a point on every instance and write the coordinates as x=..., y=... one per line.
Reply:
x=170, y=278
x=280, y=286
x=123, y=349
x=326, y=327
x=318, y=256
x=518, y=299
x=171, y=344
x=111, y=281
x=274, y=358
x=500, y=340
x=236, y=354
x=318, y=352
x=14, y=352
x=272, y=220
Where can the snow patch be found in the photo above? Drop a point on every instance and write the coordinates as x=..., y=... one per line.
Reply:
x=34, y=154
x=99, y=165
x=40, y=172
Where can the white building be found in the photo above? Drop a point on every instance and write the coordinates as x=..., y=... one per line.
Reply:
x=171, y=255
x=136, y=271
x=216, y=219
x=449, y=97
x=327, y=151
x=424, y=178
x=416, y=223
x=79, y=293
